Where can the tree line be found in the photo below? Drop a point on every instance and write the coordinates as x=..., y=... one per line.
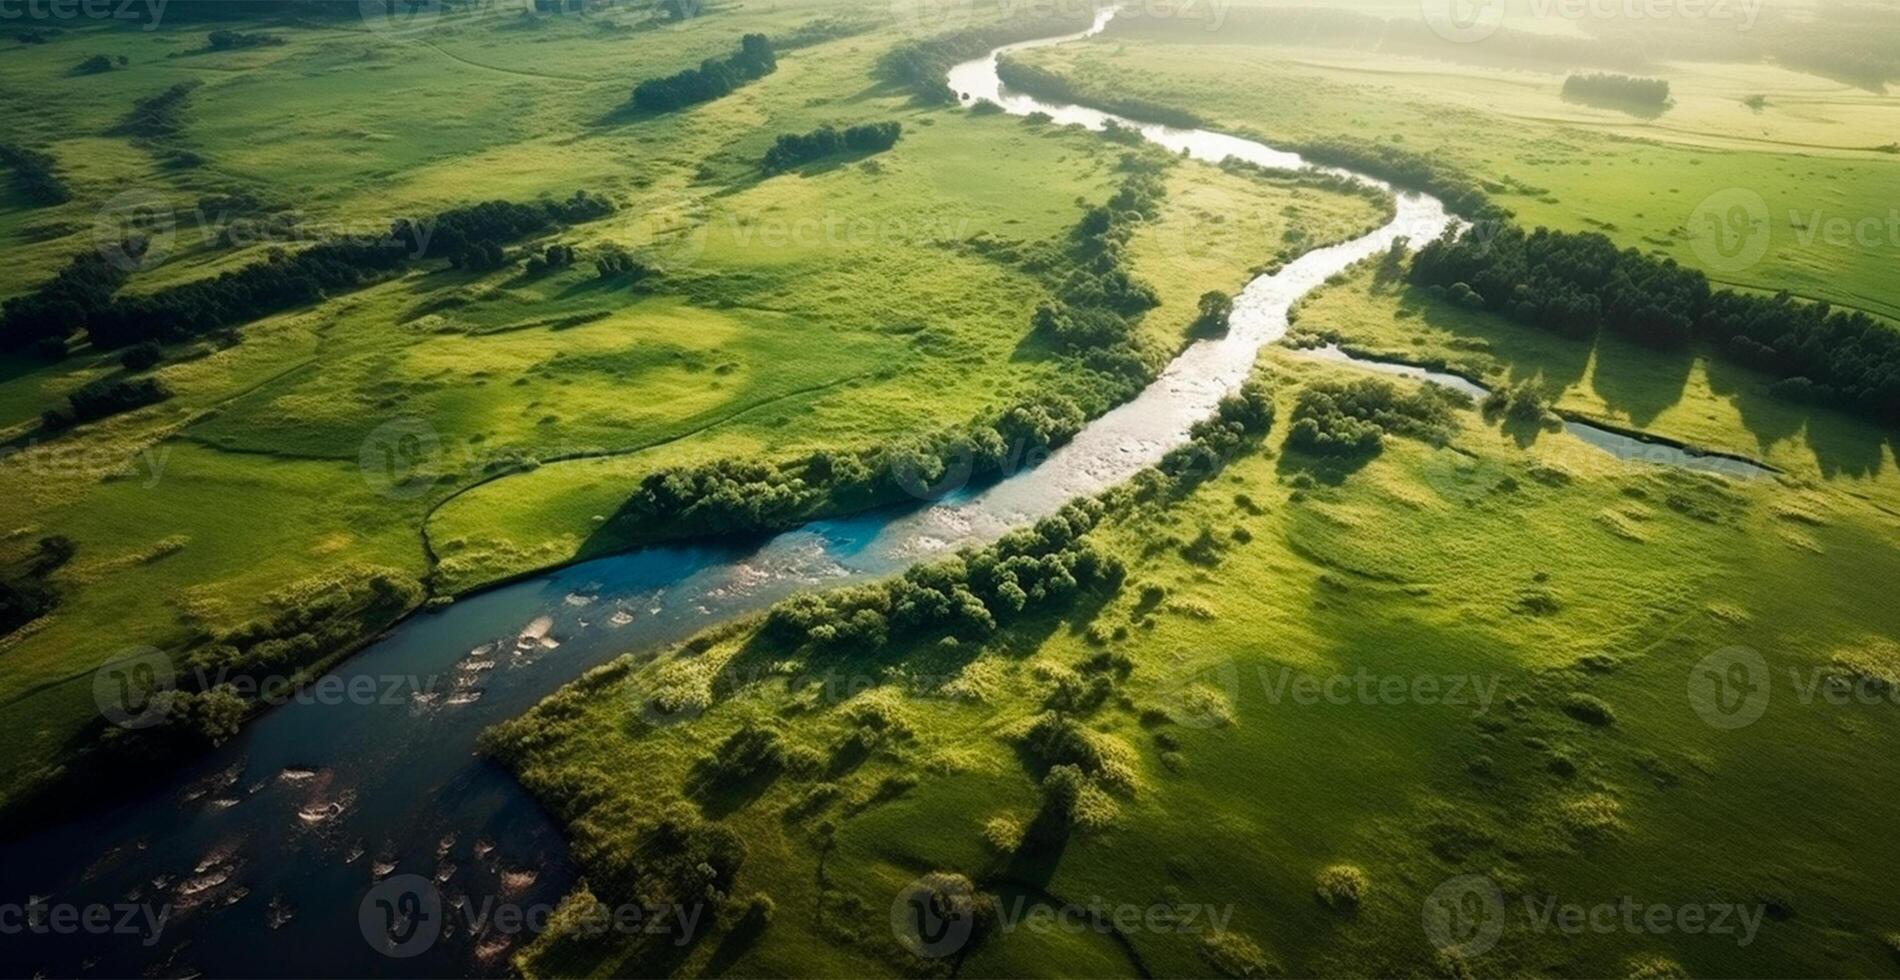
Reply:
x=1579, y=283
x=81, y=297
x=1617, y=88
x=921, y=67
x=796, y=149
x=715, y=77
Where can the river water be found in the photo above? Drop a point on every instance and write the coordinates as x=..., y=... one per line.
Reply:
x=265, y=850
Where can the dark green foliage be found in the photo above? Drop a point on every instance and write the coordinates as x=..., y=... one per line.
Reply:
x=795, y=149
x=63, y=305
x=750, y=752
x=1240, y=418
x=469, y=237
x=553, y=257
x=141, y=356
x=96, y=65
x=159, y=117
x=971, y=594
x=1214, y=309
x=680, y=859
x=25, y=595
x=237, y=40
x=615, y=261
x=1406, y=168
x=715, y=77
x=34, y=176
x=1351, y=418
x=1617, y=88
x=1588, y=709
x=1578, y=284
x=106, y=397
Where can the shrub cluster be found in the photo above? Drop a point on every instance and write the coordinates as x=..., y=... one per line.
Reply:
x=1406, y=168
x=795, y=149
x=1578, y=284
x=715, y=77
x=1617, y=88
x=1351, y=418
x=25, y=593
x=1047, y=85
x=158, y=117
x=34, y=176
x=238, y=40
x=970, y=595
x=105, y=397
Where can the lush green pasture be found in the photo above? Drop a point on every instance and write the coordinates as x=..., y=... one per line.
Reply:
x=1535, y=573
x=1821, y=201
x=775, y=327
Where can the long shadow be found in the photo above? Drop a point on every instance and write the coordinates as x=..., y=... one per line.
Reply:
x=1640, y=382
x=1842, y=444
x=1641, y=110
x=1331, y=471
x=1557, y=366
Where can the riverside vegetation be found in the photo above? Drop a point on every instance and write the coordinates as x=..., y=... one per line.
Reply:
x=299, y=389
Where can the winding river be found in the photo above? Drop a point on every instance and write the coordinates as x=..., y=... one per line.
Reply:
x=265, y=849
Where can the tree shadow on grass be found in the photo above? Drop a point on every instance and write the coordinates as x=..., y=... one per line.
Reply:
x=1629, y=107
x=1640, y=382
x=1842, y=444
x=1329, y=471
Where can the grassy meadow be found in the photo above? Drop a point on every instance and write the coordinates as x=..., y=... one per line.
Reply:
x=539, y=401
x=1426, y=562
x=1533, y=615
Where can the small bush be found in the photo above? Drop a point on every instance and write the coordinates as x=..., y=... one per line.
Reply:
x=1340, y=887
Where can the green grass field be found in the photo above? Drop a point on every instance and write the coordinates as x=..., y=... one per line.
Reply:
x=1535, y=617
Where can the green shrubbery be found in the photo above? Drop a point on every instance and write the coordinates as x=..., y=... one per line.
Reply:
x=794, y=149
x=1351, y=418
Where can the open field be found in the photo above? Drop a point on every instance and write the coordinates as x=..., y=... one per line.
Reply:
x=1426, y=562
x=1804, y=168
x=1361, y=679
x=770, y=332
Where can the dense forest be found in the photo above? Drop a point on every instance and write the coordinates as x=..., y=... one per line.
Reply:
x=1577, y=284
x=796, y=149
x=715, y=77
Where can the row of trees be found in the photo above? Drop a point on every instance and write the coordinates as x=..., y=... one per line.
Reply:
x=105, y=397
x=81, y=296
x=1617, y=88
x=1049, y=86
x=921, y=67
x=715, y=77
x=1578, y=284
x=969, y=595
x=796, y=149
x=34, y=175
x=239, y=40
